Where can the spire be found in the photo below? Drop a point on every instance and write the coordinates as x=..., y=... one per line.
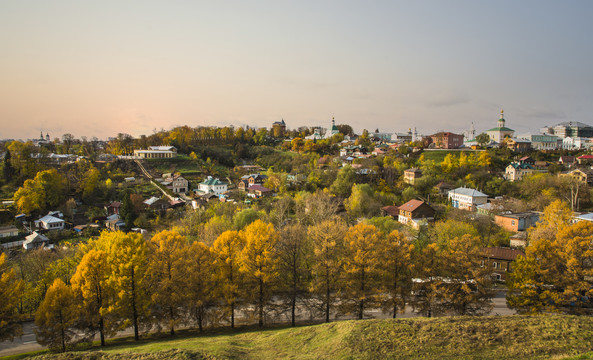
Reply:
x=501, y=120
x=41, y=136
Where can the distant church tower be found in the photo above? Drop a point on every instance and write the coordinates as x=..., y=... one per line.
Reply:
x=334, y=129
x=500, y=132
x=501, y=120
x=470, y=134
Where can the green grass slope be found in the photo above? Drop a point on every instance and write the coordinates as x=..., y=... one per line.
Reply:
x=512, y=337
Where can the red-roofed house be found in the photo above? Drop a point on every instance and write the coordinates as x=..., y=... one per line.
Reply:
x=391, y=210
x=585, y=159
x=113, y=208
x=447, y=140
x=258, y=191
x=414, y=210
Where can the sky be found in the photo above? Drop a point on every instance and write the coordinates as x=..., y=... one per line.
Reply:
x=98, y=68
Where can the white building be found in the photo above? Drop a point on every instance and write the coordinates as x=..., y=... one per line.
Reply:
x=7, y=231
x=499, y=133
x=34, y=240
x=213, y=186
x=576, y=143
x=542, y=141
x=466, y=199
x=157, y=152
x=178, y=184
x=333, y=130
x=49, y=222
x=516, y=171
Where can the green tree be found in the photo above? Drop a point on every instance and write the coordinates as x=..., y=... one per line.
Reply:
x=8, y=171
x=21, y=160
x=127, y=211
x=56, y=316
x=342, y=186
x=90, y=183
x=482, y=139
x=10, y=294
x=246, y=217
x=362, y=202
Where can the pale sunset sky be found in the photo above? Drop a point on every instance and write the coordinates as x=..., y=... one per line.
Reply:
x=97, y=68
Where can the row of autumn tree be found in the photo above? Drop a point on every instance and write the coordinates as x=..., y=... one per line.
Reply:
x=261, y=273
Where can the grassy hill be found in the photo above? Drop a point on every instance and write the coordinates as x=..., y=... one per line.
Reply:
x=511, y=337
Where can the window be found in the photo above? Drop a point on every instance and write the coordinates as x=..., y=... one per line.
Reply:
x=495, y=265
x=513, y=222
x=482, y=263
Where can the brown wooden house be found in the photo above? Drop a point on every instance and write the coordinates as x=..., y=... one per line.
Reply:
x=500, y=260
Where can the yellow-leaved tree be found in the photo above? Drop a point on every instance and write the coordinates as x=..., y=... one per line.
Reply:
x=557, y=271
x=295, y=253
x=127, y=258
x=328, y=249
x=56, y=316
x=259, y=264
x=362, y=262
x=168, y=277
x=46, y=190
x=227, y=251
x=426, y=285
x=10, y=294
x=90, y=282
x=467, y=289
x=395, y=272
x=200, y=277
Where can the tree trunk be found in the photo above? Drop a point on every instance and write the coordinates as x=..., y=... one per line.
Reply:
x=395, y=294
x=362, y=293
x=294, y=294
x=200, y=318
x=102, y=330
x=327, y=293
x=171, y=317
x=233, y=315
x=134, y=311
x=261, y=303
x=63, y=333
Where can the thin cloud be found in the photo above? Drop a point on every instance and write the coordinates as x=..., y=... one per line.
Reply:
x=448, y=100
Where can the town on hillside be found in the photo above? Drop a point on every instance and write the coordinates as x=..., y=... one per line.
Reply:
x=227, y=226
